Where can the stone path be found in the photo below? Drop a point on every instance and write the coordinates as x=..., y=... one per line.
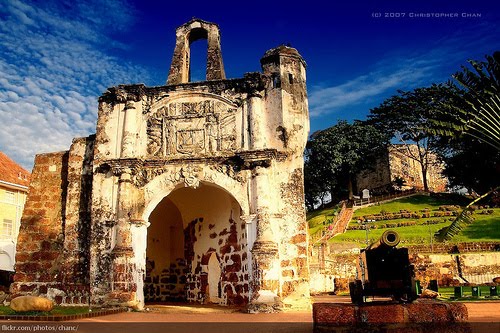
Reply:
x=484, y=318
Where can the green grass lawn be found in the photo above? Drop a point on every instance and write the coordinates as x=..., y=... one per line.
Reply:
x=418, y=234
x=484, y=228
x=57, y=311
x=448, y=293
x=413, y=203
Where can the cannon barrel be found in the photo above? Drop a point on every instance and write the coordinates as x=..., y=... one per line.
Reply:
x=389, y=238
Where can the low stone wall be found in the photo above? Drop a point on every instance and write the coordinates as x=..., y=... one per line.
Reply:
x=455, y=248
x=420, y=316
x=476, y=268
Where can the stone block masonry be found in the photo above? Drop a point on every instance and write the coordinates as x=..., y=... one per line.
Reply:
x=421, y=316
x=40, y=242
x=190, y=192
x=52, y=252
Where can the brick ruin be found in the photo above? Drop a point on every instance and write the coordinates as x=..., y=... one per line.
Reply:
x=398, y=162
x=189, y=192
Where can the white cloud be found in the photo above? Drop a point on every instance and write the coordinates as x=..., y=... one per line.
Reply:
x=401, y=71
x=326, y=100
x=53, y=66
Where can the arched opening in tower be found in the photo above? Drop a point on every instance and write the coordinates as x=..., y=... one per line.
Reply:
x=198, y=45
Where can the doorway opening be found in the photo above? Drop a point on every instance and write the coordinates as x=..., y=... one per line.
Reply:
x=196, y=249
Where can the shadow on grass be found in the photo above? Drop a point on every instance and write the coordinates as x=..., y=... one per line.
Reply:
x=57, y=311
x=437, y=199
x=487, y=229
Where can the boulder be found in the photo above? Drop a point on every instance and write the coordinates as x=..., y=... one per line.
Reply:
x=427, y=293
x=31, y=303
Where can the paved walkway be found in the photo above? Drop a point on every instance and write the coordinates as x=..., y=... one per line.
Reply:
x=484, y=316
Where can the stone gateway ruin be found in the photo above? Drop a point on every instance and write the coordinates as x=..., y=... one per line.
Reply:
x=188, y=192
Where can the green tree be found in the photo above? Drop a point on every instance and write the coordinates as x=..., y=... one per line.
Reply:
x=334, y=156
x=469, y=125
x=406, y=117
x=473, y=126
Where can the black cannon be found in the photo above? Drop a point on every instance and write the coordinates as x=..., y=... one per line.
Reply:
x=384, y=270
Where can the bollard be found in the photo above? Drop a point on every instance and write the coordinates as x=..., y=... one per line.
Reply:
x=476, y=291
x=459, y=292
x=418, y=287
x=433, y=285
x=493, y=291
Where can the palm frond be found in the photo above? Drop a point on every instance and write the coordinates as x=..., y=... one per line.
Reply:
x=461, y=221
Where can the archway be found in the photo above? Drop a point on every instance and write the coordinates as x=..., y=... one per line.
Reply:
x=197, y=248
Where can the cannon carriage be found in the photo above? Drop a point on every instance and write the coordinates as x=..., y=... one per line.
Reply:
x=384, y=270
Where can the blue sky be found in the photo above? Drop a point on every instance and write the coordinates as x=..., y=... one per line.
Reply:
x=58, y=57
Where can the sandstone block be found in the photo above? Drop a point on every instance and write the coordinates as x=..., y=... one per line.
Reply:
x=428, y=312
x=334, y=314
x=379, y=313
x=31, y=303
x=458, y=312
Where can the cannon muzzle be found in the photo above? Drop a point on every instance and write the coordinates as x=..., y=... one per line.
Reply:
x=389, y=238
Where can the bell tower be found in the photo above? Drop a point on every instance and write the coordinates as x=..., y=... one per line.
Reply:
x=188, y=33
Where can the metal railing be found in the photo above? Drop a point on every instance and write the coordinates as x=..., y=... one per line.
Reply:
x=380, y=198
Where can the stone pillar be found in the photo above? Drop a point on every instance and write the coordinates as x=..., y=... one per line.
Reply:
x=129, y=130
x=215, y=67
x=123, y=288
x=139, y=232
x=256, y=122
x=265, y=257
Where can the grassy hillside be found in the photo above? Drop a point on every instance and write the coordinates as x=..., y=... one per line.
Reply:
x=317, y=217
x=415, y=218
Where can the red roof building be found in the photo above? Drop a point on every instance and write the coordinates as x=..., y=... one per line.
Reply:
x=14, y=181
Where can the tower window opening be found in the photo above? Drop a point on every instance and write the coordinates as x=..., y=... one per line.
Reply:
x=276, y=82
x=198, y=55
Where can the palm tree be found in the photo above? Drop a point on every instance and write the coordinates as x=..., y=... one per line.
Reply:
x=476, y=114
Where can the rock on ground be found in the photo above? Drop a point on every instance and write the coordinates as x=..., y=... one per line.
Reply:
x=31, y=303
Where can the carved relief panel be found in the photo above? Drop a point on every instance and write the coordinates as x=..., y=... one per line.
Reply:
x=198, y=126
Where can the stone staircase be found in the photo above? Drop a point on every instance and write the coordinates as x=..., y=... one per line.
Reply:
x=339, y=225
x=343, y=220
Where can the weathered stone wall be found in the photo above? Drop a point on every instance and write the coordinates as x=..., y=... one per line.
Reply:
x=166, y=267
x=52, y=253
x=378, y=179
x=396, y=163
x=410, y=170
x=477, y=268
x=229, y=156
x=419, y=316
x=41, y=236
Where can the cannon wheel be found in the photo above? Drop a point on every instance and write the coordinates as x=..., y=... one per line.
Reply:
x=356, y=292
x=407, y=295
x=403, y=297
